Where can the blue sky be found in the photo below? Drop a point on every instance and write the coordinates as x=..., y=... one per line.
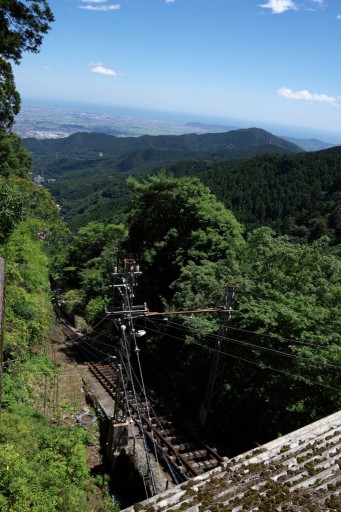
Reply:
x=265, y=61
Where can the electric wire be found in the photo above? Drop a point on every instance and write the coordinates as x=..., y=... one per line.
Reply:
x=281, y=339
x=138, y=407
x=267, y=349
x=126, y=350
x=177, y=478
x=253, y=362
x=137, y=350
x=93, y=350
x=262, y=366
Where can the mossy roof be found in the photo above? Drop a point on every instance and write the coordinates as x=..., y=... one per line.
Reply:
x=298, y=472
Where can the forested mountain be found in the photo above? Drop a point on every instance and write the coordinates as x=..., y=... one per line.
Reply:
x=299, y=195
x=242, y=142
x=296, y=193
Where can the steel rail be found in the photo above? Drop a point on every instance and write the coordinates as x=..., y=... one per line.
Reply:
x=187, y=459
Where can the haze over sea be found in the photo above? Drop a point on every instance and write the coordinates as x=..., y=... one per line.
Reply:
x=180, y=118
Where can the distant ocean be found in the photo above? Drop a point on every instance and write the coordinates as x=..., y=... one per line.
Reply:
x=281, y=130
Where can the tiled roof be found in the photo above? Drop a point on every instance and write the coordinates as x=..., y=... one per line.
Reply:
x=299, y=472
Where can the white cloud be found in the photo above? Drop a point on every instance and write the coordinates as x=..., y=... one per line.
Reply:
x=102, y=70
x=94, y=1
x=279, y=6
x=305, y=95
x=170, y=1
x=97, y=7
x=338, y=17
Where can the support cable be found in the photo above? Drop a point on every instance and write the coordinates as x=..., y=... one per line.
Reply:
x=138, y=407
x=266, y=349
x=276, y=338
x=262, y=366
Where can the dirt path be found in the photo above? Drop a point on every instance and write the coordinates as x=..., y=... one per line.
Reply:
x=65, y=397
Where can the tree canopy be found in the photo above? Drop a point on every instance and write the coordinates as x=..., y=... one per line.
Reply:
x=23, y=26
x=9, y=96
x=177, y=221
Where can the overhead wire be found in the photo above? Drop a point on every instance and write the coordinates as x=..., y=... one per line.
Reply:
x=262, y=366
x=277, y=338
x=142, y=386
x=267, y=349
x=137, y=353
x=247, y=344
x=272, y=336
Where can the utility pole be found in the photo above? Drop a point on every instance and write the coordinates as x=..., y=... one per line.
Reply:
x=125, y=283
x=213, y=392
x=124, y=316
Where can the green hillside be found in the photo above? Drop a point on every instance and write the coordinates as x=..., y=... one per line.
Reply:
x=89, y=145
x=103, y=155
x=89, y=170
x=299, y=195
x=295, y=193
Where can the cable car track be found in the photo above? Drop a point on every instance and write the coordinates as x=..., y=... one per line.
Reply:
x=183, y=454
x=187, y=458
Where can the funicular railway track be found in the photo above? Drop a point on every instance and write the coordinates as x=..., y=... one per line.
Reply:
x=184, y=455
x=180, y=451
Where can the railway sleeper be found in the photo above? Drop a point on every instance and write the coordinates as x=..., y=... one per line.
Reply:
x=166, y=432
x=205, y=465
x=174, y=439
x=183, y=447
x=196, y=455
x=164, y=422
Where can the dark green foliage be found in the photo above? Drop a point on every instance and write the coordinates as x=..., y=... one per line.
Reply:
x=291, y=293
x=14, y=159
x=280, y=341
x=42, y=468
x=9, y=96
x=28, y=300
x=96, y=146
x=281, y=352
x=177, y=221
x=12, y=207
x=87, y=267
x=21, y=199
x=23, y=25
x=298, y=195
x=285, y=331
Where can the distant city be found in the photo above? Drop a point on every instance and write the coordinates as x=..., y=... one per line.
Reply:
x=52, y=122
